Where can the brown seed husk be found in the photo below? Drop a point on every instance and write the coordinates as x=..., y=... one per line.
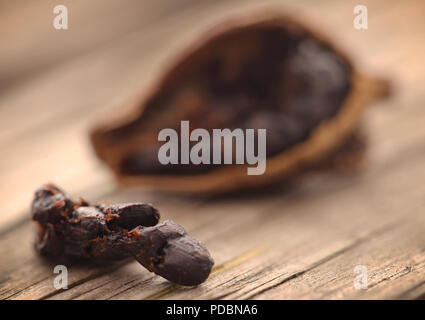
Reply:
x=136, y=131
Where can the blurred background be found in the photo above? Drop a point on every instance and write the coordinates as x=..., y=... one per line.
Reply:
x=55, y=83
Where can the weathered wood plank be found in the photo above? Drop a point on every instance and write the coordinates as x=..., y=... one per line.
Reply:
x=322, y=231
x=393, y=271
x=297, y=243
x=289, y=236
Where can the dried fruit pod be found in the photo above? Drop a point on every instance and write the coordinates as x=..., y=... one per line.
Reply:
x=256, y=71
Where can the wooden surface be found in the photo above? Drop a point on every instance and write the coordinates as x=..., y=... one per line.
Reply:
x=300, y=242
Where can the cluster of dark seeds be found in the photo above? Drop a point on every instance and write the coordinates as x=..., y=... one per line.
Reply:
x=69, y=229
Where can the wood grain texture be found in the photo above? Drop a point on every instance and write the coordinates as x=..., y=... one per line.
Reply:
x=300, y=241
